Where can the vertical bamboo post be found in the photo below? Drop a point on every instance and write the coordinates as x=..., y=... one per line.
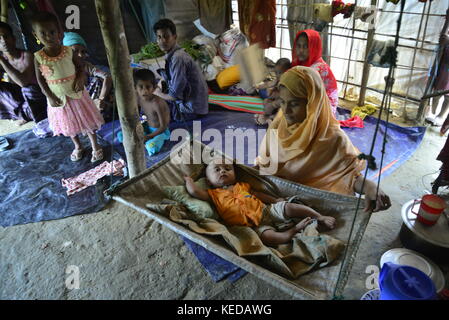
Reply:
x=366, y=65
x=4, y=11
x=412, y=68
x=111, y=24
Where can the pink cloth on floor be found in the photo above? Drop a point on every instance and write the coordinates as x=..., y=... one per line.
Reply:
x=90, y=178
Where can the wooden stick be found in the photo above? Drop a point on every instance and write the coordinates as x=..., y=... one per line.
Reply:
x=366, y=66
x=111, y=24
x=4, y=11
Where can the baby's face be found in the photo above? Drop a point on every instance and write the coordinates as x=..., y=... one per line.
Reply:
x=220, y=175
x=145, y=89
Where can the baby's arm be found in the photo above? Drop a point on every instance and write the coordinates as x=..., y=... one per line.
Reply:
x=266, y=198
x=194, y=191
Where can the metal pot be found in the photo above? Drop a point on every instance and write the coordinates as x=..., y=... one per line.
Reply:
x=431, y=241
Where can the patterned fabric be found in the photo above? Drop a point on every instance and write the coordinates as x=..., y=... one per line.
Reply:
x=315, y=61
x=59, y=73
x=90, y=178
x=237, y=207
x=257, y=20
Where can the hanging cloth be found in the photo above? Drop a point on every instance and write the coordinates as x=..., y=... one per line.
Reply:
x=257, y=20
x=300, y=16
x=152, y=12
x=215, y=15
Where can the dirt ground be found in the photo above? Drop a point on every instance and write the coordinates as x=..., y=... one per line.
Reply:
x=122, y=254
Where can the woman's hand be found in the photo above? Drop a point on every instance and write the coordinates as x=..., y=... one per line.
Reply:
x=373, y=203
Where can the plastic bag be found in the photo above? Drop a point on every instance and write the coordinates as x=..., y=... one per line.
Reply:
x=230, y=42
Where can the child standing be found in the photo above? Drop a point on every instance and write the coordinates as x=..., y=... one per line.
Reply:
x=239, y=205
x=61, y=77
x=154, y=108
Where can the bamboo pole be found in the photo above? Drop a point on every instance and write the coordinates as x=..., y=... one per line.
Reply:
x=4, y=11
x=111, y=24
x=412, y=68
x=366, y=66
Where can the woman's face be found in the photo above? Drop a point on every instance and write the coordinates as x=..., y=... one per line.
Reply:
x=302, y=48
x=80, y=51
x=294, y=108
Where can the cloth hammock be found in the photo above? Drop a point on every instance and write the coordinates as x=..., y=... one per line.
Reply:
x=144, y=193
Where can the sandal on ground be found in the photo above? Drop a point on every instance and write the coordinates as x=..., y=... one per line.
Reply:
x=97, y=155
x=4, y=144
x=77, y=155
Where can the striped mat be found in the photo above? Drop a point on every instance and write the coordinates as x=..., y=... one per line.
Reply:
x=240, y=103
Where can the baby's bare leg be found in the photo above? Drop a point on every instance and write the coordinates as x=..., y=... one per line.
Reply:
x=272, y=238
x=295, y=210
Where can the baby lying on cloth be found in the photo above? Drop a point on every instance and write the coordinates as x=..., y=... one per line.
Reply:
x=238, y=205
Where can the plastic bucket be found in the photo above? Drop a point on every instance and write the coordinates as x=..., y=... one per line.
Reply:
x=399, y=282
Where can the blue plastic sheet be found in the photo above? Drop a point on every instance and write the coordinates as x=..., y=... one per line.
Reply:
x=401, y=141
x=30, y=176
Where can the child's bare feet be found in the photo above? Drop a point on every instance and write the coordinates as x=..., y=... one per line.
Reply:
x=303, y=224
x=327, y=221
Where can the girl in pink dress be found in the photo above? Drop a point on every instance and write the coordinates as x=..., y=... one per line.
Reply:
x=60, y=74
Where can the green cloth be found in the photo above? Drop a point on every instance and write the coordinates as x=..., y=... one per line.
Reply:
x=198, y=208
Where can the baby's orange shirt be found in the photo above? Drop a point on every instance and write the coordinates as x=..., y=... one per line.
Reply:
x=237, y=207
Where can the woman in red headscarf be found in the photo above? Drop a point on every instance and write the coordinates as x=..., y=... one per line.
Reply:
x=307, y=51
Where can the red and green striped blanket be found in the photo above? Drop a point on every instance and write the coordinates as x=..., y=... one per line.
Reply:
x=240, y=103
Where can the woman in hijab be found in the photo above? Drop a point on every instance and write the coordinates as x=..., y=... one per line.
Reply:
x=307, y=51
x=305, y=144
